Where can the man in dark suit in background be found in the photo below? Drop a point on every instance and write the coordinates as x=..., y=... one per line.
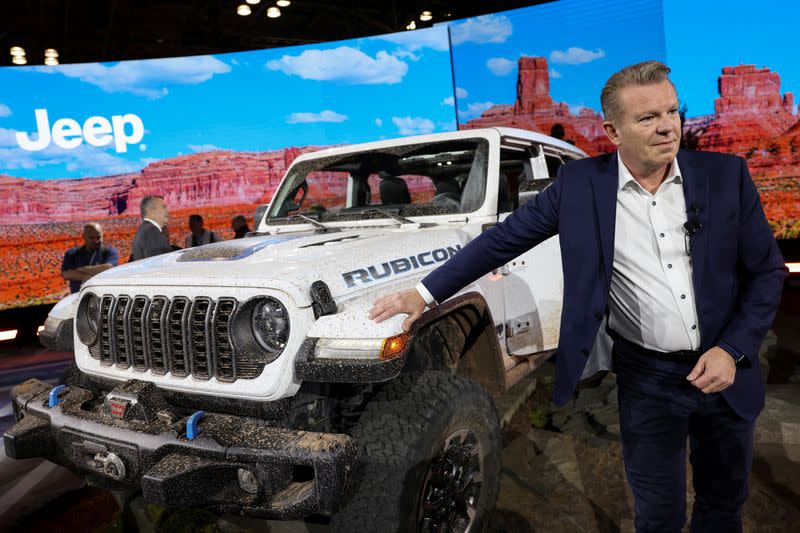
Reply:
x=83, y=262
x=669, y=253
x=150, y=239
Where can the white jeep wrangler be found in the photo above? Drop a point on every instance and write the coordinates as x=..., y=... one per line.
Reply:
x=245, y=376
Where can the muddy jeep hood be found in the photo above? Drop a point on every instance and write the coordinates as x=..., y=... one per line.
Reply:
x=348, y=261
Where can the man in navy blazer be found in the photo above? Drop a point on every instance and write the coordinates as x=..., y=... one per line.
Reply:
x=669, y=253
x=150, y=239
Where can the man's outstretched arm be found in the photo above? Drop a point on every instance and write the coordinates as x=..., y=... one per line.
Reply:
x=529, y=225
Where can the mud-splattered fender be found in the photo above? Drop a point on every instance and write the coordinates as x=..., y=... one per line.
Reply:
x=460, y=335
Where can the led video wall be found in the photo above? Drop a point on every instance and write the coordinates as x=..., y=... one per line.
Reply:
x=214, y=134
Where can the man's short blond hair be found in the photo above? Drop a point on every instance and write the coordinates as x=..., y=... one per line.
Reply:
x=644, y=73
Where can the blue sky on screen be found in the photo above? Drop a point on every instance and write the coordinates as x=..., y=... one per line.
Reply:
x=584, y=41
x=703, y=37
x=332, y=93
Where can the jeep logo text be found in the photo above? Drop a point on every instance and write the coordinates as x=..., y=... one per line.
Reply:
x=97, y=131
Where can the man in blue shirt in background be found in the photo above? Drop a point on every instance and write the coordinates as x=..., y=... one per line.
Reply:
x=82, y=262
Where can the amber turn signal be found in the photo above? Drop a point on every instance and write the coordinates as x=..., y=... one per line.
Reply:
x=394, y=346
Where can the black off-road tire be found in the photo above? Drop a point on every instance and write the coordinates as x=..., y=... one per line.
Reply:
x=401, y=434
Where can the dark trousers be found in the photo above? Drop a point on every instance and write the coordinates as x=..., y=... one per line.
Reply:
x=658, y=410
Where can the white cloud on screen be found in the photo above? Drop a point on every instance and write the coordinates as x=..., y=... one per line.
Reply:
x=323, y=116
x=576, y=56
x=413, y=125
x=343, y=64
x=148, y=78
x=481, y=30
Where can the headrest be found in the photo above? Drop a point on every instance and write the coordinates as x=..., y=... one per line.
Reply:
x=394, y=191
x=448, y=184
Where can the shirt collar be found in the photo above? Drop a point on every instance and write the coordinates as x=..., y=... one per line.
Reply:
x=153, y=222
x=625, y=176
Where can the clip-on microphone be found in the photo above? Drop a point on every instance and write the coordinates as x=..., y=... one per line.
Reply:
x=693, y=225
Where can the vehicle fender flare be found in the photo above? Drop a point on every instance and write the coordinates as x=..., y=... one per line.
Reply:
x=460, y=336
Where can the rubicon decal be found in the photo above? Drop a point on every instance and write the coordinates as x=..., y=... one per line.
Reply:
x=398, y=266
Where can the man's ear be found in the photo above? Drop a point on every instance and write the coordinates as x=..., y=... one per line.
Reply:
x=611, y=132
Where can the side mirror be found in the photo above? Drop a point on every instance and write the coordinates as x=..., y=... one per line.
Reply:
x=261, y=210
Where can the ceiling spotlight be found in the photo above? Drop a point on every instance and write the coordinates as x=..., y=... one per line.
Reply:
x=51, y=61
x=253, y=2
x=425, y=16
x=17, y=51
x=243, y=10
x=50, y=52
x=283, y=3
x=19, y=60
x=412, y=25
x=273, y=12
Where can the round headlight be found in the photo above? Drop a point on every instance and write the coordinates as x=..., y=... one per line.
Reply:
x=88, y=318
x=93, y=312
x=271, y=325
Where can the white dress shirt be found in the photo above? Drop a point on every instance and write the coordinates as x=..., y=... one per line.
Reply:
x=153, y=222
x=652, y=295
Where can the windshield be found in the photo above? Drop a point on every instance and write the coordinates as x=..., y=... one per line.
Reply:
x=410, y=180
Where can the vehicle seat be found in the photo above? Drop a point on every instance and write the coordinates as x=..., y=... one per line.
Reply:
x=448, y=194
x=394, y=191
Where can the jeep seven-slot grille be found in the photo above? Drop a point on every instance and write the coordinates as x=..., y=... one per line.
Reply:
x=179, y=336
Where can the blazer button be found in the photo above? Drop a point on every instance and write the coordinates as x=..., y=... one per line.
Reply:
x=585, y=351
x=598, y=316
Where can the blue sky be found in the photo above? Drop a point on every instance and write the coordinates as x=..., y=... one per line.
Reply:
x=703, y=37
x=340, y=92
x=584, y=41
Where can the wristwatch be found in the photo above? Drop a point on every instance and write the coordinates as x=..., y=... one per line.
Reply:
x=738, y=356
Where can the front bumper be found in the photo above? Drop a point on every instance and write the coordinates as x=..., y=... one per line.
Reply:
x=291, y=473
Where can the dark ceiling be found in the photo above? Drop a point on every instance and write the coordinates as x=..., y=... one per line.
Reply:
x=110, y=30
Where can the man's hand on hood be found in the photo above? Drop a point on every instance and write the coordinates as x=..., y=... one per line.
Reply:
x=409, y=302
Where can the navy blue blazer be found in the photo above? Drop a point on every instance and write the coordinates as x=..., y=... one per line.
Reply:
x=738, y=271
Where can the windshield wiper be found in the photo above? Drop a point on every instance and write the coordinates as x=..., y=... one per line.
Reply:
x=387, y=214
x=315, y=223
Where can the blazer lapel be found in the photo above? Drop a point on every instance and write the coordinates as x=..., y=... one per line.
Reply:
x=695, y=192
x=604, y=189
